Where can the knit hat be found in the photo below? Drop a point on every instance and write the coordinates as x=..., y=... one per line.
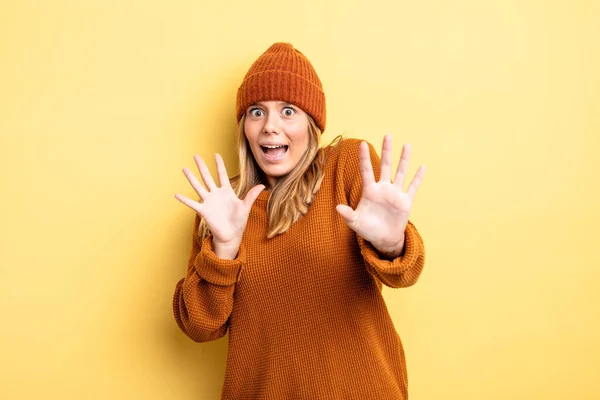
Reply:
x=283, y=73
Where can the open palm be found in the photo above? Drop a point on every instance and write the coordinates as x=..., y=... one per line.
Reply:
x=382, y=213
x=225, y=214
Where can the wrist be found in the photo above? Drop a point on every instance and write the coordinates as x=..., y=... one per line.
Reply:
x=390, y=252
x=225, y=251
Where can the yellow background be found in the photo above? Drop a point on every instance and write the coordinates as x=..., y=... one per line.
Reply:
x=102, y=102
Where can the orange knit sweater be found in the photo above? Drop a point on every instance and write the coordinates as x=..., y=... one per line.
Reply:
x=304, y=309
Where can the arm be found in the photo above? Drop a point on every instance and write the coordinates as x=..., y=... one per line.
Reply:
x=378, y=210
x=203, y=300
x=405, y=269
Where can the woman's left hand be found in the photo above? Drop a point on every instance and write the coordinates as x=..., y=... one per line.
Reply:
x=382, y=213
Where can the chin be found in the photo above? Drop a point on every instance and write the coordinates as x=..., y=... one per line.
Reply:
x=277, y=173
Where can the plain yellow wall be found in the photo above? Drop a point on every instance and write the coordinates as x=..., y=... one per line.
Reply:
x=102, y=102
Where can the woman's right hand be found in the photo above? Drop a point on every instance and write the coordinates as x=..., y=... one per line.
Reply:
x=225, y=214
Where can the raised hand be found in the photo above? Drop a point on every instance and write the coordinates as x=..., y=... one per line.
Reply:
x=382, y=213
x=225, y=214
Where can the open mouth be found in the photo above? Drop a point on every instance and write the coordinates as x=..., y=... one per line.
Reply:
x=274, y=151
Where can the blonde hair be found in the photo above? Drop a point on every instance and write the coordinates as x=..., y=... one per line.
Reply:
x=292, y=194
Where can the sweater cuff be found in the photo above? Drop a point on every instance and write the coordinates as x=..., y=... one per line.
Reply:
x=216, y=270
x=404, y=262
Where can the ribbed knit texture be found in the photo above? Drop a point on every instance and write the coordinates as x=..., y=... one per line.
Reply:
x=283, y=73
x=304, y=309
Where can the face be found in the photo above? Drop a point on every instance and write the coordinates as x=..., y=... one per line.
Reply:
x=278, y=136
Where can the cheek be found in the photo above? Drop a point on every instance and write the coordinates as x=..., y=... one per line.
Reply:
x=300, y=133
x=305, y=137
x=250, y=132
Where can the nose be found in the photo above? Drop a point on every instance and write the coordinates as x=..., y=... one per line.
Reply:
x=271, y=123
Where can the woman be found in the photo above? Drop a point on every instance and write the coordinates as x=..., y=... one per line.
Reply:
x=294, y=271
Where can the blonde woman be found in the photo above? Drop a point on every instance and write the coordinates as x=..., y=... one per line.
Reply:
x=290, y=255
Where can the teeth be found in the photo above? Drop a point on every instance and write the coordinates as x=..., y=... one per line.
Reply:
x=272, y=147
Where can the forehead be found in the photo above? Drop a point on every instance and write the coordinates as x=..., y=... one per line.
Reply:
x=271, y=103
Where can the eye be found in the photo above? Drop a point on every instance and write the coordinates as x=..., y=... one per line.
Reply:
x=288, y=111
x=256, y=112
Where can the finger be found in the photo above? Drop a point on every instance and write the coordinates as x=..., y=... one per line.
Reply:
x=198, y=188
x=414, y=184
x=222, y=171
x=347, y=214
x=194, y=205
x=205, y=173
x=252, y=195
x=402, y=166
x=386, y=158
x=366, y=169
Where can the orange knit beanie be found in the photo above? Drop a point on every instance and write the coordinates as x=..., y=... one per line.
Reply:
x=283, y=73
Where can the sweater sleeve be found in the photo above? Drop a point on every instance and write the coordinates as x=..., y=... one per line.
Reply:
x=203, y=300
x=404, y=270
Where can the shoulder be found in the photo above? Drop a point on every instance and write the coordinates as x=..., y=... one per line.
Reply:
x=344, y=153
x=342, y=164
x=341, y=150
x=343, y=145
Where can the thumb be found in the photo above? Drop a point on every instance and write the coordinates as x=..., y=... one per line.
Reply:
x=347, y=213
x=252, y=195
